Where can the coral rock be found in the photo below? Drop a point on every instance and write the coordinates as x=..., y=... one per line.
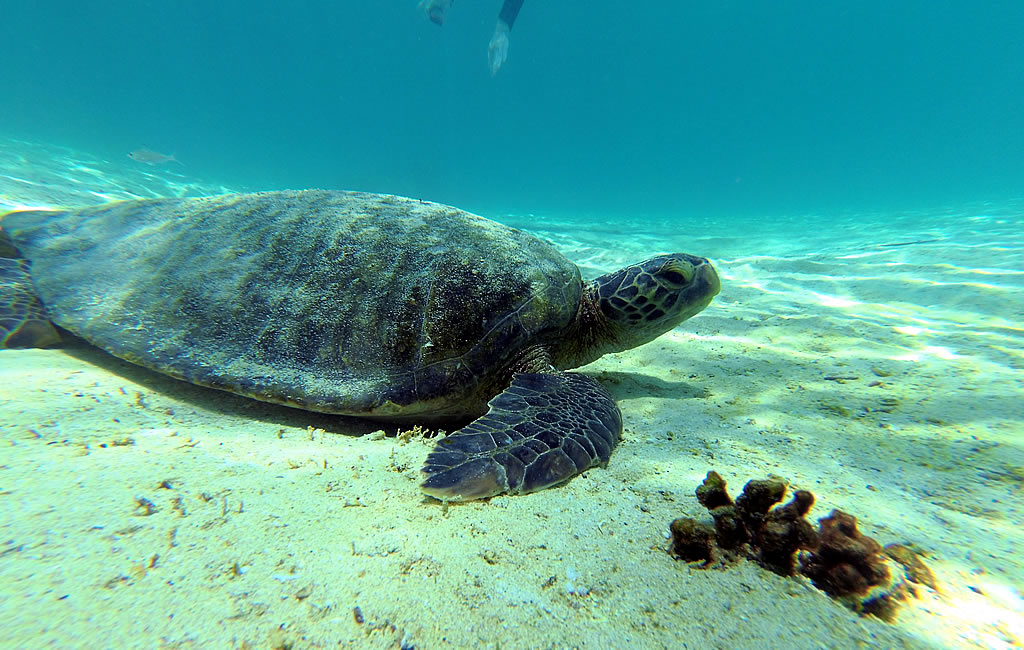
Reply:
x=692, y=541
x=846, y=562
x=748, y=527
x=839, y=560
x=730, y=533
x=849, y=566
x=757, y=498
x=784, y=532
x=711, y=494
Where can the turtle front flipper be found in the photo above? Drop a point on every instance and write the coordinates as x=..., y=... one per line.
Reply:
x=544, y=429
x=23, y=320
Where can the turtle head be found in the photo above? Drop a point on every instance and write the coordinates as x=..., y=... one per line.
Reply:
x=643, y=301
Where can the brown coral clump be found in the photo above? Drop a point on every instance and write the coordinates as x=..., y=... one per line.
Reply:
x=757, y=499
x=839, y=559
x=846, y=562
x=785, y=531
x=849, y=566
x=712, y=493
x=748, y=527
x=692, y=541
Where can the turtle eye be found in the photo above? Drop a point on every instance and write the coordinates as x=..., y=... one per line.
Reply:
x=676, y=274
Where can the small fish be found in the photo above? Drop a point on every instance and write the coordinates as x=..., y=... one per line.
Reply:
x=152, y=157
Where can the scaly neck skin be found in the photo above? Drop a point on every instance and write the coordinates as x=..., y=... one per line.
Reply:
x=589, y=337
x=533, y=359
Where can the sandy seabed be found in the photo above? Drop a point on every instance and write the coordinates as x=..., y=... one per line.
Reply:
x=879, y=367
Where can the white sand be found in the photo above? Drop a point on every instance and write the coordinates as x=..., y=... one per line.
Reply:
x=263, y=532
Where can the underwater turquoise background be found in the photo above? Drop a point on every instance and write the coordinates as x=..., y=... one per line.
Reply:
x=604, y=109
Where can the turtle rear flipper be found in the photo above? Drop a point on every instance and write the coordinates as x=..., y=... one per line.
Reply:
x=23, y=320
x=544, y=429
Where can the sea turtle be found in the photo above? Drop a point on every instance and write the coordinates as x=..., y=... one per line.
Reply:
x=358, y=304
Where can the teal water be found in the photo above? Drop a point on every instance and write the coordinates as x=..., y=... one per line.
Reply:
x=674, y=110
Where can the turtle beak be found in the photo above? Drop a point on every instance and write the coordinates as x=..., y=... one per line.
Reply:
x=709, y=275
x=701, y=290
